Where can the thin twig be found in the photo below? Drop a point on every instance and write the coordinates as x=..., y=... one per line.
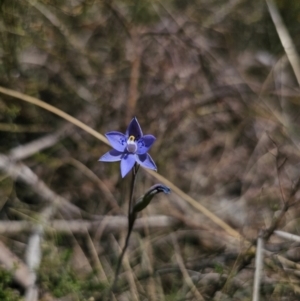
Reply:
x=288, y=236
x=258, y=268
x=277, y=219
x=34, y=253
x=33, y=260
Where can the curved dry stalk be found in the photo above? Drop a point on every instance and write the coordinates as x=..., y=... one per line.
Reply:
x=54, y=110
x=99, y=136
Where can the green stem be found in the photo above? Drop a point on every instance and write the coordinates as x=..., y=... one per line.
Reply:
x=131, y=201
x=131, y=220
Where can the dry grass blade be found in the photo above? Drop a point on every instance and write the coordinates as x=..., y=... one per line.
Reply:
x=285, y=38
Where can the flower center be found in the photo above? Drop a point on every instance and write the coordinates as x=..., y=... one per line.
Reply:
x=131, y=144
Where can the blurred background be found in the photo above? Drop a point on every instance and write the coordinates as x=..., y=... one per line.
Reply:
x=213, y=83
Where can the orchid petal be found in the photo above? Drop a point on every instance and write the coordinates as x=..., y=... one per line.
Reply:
x=134, y=129
x=146, y=161
x=117, y=140
x=127, y=163
x=111, y=156
x=144, y=144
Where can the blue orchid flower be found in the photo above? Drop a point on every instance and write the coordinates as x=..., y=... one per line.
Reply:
x=130, y=148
